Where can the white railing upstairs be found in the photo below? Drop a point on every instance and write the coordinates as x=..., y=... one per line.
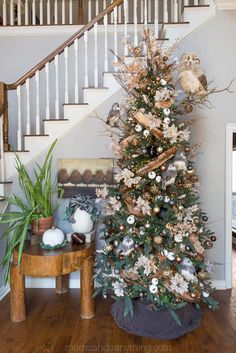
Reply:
x=73, y=12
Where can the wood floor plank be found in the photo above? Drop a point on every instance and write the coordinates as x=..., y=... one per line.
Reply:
x=53, y=325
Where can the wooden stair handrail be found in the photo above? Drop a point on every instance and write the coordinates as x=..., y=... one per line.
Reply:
x=62, y=47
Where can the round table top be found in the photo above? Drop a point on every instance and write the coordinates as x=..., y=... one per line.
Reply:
x=36, y=250
x=38, y=262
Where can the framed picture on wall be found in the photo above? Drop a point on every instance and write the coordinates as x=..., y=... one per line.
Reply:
x=84, y=175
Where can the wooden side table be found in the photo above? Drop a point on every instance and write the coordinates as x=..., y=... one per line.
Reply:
x=59, y=263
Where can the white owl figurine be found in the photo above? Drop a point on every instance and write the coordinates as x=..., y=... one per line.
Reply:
x=192, y=78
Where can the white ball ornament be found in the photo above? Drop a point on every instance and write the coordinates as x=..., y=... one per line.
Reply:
x=155, y=281
x=146, y=133
x=171, y=256
x=53, y=237
x=138, y=128
x=158, y=179
x=153, y=288
x=131, y=219
x=178, y=238
x=205, y=294
x=166, y=111
x=83, y=223
x=152, y=175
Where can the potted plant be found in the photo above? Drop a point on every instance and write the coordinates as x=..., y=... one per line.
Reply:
x=35, y=210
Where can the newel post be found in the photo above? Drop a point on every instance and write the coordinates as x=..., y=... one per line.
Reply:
x=80, y=12
x=4, y=112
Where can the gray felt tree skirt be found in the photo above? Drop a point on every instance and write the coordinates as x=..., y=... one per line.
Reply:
x=156, y=324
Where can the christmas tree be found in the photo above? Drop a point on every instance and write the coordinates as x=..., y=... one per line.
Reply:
x=155, y=231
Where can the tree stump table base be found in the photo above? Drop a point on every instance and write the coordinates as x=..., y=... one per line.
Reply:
x=59, y=263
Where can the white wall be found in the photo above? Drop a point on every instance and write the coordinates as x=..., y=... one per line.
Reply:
x=214, y=43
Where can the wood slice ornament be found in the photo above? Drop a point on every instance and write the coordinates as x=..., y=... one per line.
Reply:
x=145, y=121
x=157, y=162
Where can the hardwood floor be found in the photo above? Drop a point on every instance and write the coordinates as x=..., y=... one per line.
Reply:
x=53, y=325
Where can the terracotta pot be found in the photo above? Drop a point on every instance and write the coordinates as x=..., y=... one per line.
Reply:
x=40, y=225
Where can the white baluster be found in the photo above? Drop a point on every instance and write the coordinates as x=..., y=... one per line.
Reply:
x=96, y=55
x=33, y=12
x=55, y=12
x=26, y=12
x=48, y=12
x=141, y=12
x=186, y=2
x=11, y=13
x=176, y=11
x=149, y=11
x=57, y=107
x=105, y=44
x=165, y=11
x=66, y=75
x=195, y=3
x=120, y=14
x=86, y=59
x=41, y=12
x=156, y=18
x=112, y=14
x=3, y=174
x=115, y=36
x=89, y=11
x=70, y=12
x=126, y=25
x=96, y=7
x=4, y=10
x=19, y=13
x=47, y=71
x=27, y=106
x=145, y=14
x=76, y=72
x=19, y=127
x=37, y=104
x=63, y=12
x=135, y=22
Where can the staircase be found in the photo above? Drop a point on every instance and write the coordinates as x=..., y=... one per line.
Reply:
x=77, y=77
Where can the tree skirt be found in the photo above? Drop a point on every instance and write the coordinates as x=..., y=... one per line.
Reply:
x=156, y=324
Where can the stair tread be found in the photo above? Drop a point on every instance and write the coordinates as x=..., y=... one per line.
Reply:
x=34, y=135
x=16, y=151
x=194, y=6
x=175, y=23
x=76, y=104
x=5, y=182
x=105, y=88
x=55, y=119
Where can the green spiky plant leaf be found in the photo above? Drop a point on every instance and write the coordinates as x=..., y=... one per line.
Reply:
x=37, y=203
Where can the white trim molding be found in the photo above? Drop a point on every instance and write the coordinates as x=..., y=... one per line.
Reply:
x=230, y=129
x=4, y=290
x=226, y=4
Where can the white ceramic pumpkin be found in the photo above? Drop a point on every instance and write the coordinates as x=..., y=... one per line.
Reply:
x=83, y=223
x=53, y=237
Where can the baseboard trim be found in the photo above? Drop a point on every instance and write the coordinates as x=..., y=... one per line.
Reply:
x=4, y=290
x=219, y=284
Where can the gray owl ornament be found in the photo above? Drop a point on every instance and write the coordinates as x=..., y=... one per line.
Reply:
x=169, y=176
x=114, y=116
x=180, y=161
x=126, y=246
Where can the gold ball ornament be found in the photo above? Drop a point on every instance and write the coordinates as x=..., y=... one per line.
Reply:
x=158, y=240
x=180, y=207
x=202, y=275
x=178, y=259
x=193, y=295
x=208, y=244
x=199, y=257
x=188, y=108
x=122, y=227
x=182, y=247
x=154, y=189
x=156, y=209
x=196, y=220
x=187, y=149
x=163, y=168
x=162, y=66
x=147, y=225
x=165, y=58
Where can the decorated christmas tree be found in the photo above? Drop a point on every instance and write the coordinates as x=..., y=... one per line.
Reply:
x=154, y=228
